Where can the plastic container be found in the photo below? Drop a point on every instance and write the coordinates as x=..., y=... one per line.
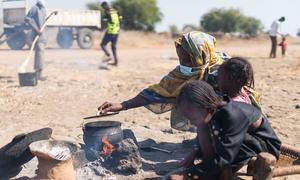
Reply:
x=28, y=79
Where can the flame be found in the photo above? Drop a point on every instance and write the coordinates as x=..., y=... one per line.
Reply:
x=107, y=149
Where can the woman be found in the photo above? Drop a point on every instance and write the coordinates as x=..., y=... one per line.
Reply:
x=198, y=60
x=229, y=133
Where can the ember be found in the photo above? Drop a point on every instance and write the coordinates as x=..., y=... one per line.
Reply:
x=107, y=149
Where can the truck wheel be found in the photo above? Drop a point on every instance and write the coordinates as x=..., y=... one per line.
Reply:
x=65, y=38
x=18, y=41
x=85, y=38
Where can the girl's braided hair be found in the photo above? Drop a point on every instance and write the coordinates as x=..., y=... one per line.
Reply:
x=239, y=71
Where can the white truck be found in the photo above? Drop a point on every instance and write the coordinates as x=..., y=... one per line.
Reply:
x=72, y=25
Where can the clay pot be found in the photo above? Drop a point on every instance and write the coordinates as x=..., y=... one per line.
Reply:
x=55, y=159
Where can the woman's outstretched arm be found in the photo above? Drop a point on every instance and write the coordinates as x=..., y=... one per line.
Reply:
x=135, y=102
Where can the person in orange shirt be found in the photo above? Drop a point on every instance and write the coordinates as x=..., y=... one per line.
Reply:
x=283, y=45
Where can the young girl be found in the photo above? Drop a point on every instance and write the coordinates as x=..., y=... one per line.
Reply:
x=283, y=45
x=229, y=133
x=236, y=80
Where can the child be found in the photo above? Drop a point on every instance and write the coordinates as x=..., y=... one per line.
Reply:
x=283, y=45
x=229, y=133
x=236, y=78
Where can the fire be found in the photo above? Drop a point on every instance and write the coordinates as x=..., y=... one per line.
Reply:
x=107, y=149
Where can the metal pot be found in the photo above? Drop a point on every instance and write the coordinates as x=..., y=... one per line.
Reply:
x=94, y=132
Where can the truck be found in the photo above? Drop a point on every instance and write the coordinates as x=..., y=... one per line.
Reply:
x=72, y=25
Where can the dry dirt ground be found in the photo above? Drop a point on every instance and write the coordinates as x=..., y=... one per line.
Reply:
x=75, y=87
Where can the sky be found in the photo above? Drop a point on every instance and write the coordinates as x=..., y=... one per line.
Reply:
x=181, y=12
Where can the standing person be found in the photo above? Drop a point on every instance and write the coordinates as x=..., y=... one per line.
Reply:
x=36, y=18
x=275, y=29
x=113, y=20
x=283, y=45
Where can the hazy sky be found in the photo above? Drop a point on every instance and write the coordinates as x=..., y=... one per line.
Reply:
x=182, y=12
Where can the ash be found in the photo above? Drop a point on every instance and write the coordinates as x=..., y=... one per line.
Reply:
x=125, y=160
x=93, y=170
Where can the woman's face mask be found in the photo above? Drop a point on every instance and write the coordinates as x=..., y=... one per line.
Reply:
x=188, y=71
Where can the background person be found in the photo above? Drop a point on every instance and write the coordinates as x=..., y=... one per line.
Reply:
x=113, y=19
x=275, y=29
x=283, y=45
x=36, y=18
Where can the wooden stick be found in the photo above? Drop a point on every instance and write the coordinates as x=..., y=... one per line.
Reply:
x=284, y=171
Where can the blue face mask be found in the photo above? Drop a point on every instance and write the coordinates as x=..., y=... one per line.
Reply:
x=187, y=71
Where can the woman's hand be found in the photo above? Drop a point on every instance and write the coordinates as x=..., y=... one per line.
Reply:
x=188, y=161
x=110, y=107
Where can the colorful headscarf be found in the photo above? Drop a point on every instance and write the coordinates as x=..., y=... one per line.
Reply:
x=197, y=45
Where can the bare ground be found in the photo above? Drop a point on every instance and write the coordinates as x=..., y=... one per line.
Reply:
x=75, y=87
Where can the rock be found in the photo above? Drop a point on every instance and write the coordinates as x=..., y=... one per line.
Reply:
x=128, y=134
x=297, y=106
x=126, y=158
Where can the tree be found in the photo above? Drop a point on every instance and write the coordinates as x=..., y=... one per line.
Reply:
x=173, y=29
x=230, y=20
x=250, y=26
x=137, y=14
x=298, y=33
x=221, y=20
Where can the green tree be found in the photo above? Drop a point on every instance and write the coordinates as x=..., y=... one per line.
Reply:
x=298, y=33
x=250, y=26
x=137, y=14
x=230, y=20
x=173, y=29
x=221, y=20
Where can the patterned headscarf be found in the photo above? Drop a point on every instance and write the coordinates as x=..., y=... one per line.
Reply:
x=200, y=46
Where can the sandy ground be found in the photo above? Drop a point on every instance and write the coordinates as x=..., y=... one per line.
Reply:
x=75, y=87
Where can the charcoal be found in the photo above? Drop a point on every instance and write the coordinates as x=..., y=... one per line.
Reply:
x=131, y=159
x=126, y=159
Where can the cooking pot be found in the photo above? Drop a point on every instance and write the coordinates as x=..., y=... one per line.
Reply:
x=93, y=133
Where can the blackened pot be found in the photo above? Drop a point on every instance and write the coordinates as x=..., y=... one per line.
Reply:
x=94, y=132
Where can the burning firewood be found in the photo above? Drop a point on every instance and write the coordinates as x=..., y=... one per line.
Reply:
x=107, y=149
